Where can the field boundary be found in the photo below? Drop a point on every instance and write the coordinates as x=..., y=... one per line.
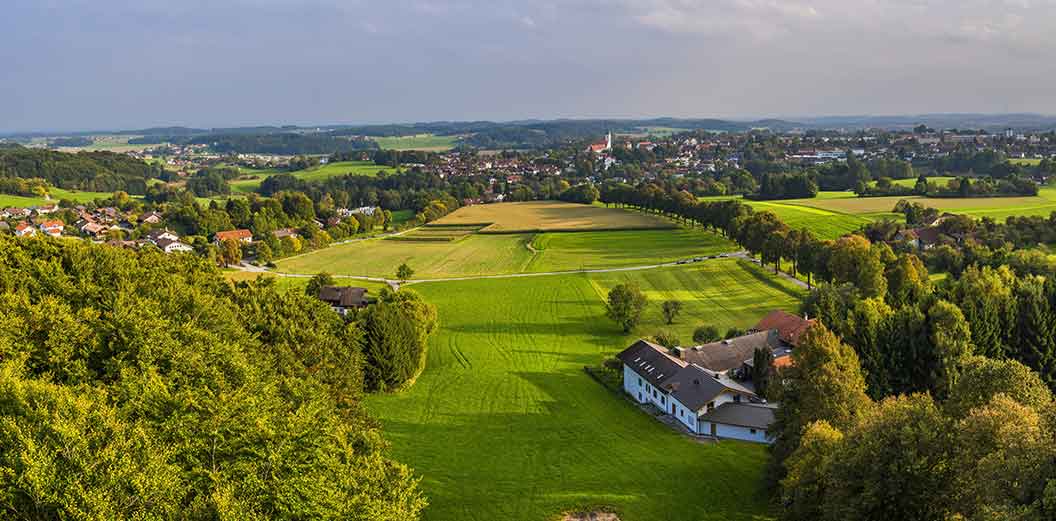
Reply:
x=670, y=226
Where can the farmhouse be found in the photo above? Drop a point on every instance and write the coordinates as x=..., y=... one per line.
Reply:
x=240, y=235
x=694, y=395
x=343, y=298
x=707, y=388
x=173, y=246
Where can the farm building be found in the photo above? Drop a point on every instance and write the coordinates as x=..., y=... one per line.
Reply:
x=694, y=395
x=706, y=387
x=343, y=298
x=240, y=235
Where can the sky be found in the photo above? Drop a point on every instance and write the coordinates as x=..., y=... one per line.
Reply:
x=123, y=64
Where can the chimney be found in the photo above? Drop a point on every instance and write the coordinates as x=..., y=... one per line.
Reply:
x=681, y=353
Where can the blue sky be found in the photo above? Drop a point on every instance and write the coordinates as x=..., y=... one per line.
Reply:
x=80, y=64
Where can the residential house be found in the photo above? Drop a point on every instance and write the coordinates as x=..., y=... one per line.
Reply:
x=240, y=235
x=45, y=209
x=694, y=395
x=282, y=233
x=150, y=218
x=18, y=213
x=52, y=227
x=156, y=236
x=343, y=298
x=92, y=228
x=25, y=229
x=173, y=246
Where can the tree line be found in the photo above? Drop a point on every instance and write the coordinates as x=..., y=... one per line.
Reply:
x=91, y=171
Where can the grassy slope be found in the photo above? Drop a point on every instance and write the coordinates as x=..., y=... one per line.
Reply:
x=498, y=254
x=426, y=142
x=504, y=424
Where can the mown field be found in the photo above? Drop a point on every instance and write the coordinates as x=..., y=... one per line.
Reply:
x=995, y=207
x=504, y=423
x=423, y=142
x=470, y=254
x=537, y=216
x=299, y=283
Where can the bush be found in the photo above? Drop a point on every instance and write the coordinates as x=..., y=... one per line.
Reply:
x=667, y=339
x=706, y=335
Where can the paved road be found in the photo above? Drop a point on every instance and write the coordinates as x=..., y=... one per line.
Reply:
x=396, y=283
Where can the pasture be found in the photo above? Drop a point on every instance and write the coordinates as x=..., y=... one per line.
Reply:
x=252, y=177
x=57, y=194
x=444, y=252
x=423, y=142
x=504, y=423
x=995, y=207
x=542, y=216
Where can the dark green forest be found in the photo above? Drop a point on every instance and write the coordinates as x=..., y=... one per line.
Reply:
x=91, y=171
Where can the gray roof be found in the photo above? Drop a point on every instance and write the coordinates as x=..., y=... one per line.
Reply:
x=694, y=387
x=651, y=362
x=750, y=415
x=730, y=354
x=343, y=296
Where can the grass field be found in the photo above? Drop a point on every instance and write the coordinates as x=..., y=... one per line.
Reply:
x=1025, y=161
x=423, y=142
x=551, y=216
x=824, y=223
x=56, y=195
x=319, y=173
x=504, y=424
x=996, y=207
x=479, y=254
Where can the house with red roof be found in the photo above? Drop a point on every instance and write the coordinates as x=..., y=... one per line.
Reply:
x=240, y=235
x=52, y=227
x=25, y=229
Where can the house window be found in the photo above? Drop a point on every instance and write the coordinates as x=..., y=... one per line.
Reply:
x=639, y=382
x=751, y=431
x=736, y=397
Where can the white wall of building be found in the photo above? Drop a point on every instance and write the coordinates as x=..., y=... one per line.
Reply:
x=643, y=392
x=735, y=432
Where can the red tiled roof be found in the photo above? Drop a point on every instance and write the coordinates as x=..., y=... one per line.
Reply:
x=233, y=234
x=789, y=327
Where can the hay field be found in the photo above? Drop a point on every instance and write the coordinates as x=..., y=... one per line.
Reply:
x=542, y=216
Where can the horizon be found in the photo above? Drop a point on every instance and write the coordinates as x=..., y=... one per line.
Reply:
x=805, y=119
x=124, y=64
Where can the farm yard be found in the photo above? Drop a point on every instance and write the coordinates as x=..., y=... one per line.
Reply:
x=540, y=216
x=507, y=365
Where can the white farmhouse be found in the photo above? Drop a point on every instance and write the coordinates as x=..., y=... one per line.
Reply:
x=706, y=402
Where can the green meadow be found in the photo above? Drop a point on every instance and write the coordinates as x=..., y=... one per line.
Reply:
x=505, y=424
x=319, y=173
x=423, y=142
x=471, y=254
